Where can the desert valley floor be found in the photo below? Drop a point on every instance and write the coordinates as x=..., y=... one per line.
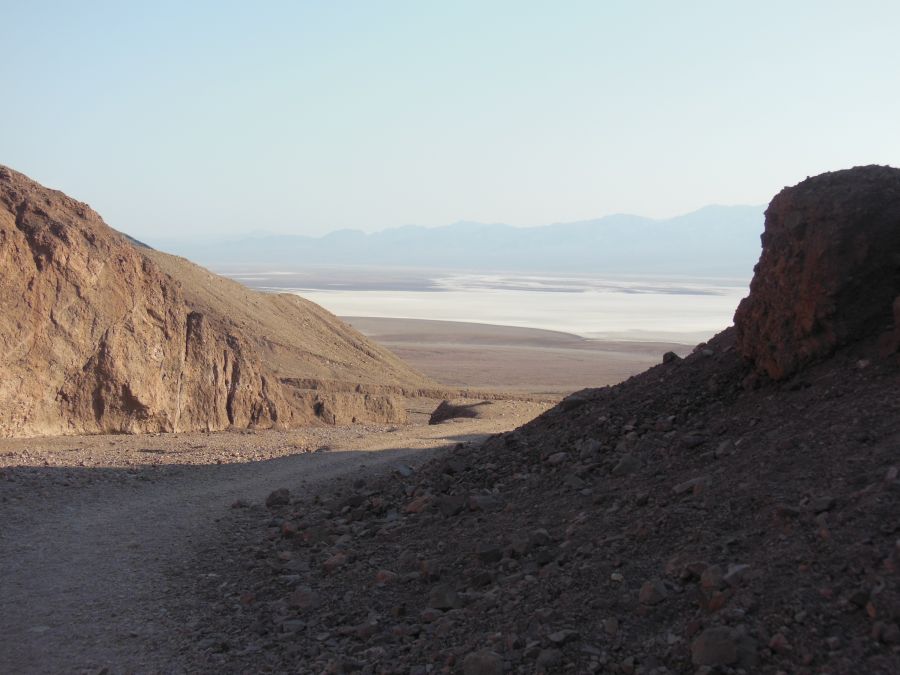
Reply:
x=511, y=359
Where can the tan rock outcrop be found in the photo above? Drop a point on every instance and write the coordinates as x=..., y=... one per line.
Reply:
x=96, y=337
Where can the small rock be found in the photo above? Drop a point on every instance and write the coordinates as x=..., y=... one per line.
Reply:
x=628, y=464
x=385, y=577
x=562, y=637
x=335, y=562
x=588, y=448
x=279, y=497
x=549, y=658
x=715, y=647
x=455, y=465
x=574, y=482
x=693, y=440
x=489, y=553
x=450, y=506
x=694, y=485
x=303, y=597
x=786, y=512
x=822, y=504
x=291, y=625
x=540, y=538
x=483, y=662
x=712, y=577
x=557, y=458
x=518, y=545
x=483, y=503
x=443, y=597
x=890, y=634
x=430, y=615
x=779, y=644
x=404, y=470
x=670, y=357
x=417, y=505
x=653, y=592
x=736, y=574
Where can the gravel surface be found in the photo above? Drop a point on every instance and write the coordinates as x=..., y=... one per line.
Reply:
x=101, y=536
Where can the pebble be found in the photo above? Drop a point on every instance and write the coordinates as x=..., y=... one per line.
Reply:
x=653, y=592
x=279, y=497
x=557, y=458
x=694, y=484
x=483, y=662
x=736, y=574
x=443, y=597
x=628, y=464
x=404, y=470
x=712, y=577
x=335, y=562
x=562, y=637
x=715, y=647
x=385, y=577
x=549, y=658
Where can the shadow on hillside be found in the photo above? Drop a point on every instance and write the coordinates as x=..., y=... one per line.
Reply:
x=28, y=482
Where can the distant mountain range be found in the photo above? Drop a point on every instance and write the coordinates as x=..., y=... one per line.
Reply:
x=714, y=240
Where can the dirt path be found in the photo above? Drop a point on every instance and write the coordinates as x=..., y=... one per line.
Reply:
x=96, y=564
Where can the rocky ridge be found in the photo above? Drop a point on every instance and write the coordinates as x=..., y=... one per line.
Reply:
x=102, y=335
x=701, y=517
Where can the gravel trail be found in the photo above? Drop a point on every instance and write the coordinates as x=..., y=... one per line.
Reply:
x=94, y=575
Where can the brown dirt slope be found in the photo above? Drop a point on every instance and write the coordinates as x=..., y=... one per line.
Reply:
x=295, y=338
x=697, y=518
x=101, y=335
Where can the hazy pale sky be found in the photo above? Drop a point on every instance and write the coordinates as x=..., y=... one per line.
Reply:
x=178, y=118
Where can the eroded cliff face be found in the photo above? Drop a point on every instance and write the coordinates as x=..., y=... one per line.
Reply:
x=829, y=273
x=96, y=338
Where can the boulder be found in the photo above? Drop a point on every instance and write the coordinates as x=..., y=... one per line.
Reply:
x=829, y=272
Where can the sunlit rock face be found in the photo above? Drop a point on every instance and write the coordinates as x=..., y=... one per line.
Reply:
x=96, y=338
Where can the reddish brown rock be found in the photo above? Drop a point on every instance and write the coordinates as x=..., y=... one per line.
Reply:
x=829, y=272
x=335, y=562
x=100, y=334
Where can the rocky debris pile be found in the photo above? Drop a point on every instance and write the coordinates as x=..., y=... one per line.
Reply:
x=829, y=273
x=675, y=523
x=680, y=522
x=97, y=338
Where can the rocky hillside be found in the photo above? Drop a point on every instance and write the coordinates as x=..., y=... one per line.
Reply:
x=701, y=517
x=99, y=334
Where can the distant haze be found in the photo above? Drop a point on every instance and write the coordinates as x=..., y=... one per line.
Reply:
x=220, y=118
x=718, y=241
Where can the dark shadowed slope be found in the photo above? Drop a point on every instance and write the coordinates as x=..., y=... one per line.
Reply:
x=698, y=518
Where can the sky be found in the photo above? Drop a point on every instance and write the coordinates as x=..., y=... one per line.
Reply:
x=186, y=119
